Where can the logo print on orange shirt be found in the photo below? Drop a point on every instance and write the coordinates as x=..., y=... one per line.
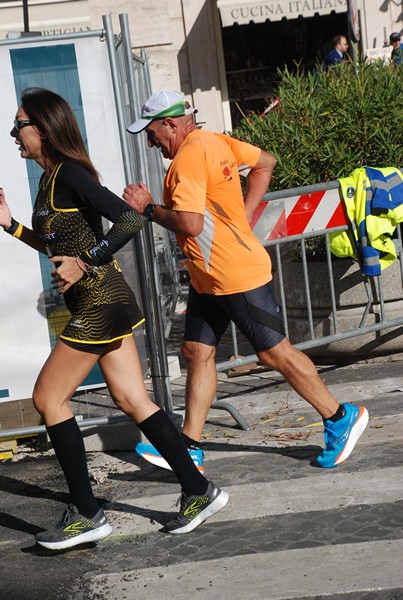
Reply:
x=227, y=173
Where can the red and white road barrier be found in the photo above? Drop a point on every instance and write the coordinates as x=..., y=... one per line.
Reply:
x=281, y=217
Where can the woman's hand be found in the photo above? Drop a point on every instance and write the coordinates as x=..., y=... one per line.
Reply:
x=5, y=214
x=70, y=269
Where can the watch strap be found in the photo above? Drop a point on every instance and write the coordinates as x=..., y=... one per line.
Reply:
x=148, y=211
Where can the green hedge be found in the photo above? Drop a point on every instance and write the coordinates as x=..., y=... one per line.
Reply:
x=330, y=122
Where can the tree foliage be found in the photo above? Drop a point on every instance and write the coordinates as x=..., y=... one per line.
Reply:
x=330, y=122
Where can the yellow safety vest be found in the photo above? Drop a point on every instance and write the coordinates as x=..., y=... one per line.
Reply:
x=373, y=199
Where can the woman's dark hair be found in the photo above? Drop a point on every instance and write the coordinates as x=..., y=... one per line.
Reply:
x=56, y=120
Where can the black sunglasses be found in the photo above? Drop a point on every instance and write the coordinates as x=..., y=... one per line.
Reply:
x=20, y=123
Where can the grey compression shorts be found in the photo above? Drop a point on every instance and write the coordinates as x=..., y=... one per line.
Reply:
x=255, y=313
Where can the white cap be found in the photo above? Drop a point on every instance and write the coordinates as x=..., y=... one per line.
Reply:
x=165, y=103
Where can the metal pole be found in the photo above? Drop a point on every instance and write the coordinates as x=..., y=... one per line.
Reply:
x=160, y=379
x=38, y=429
x=25, y=12
x=160, y=376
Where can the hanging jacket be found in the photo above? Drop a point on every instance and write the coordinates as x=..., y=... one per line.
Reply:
x=373, y=201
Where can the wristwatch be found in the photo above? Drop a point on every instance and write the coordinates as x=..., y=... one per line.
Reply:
x=148, y=211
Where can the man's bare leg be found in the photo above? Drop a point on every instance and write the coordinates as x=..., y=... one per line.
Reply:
x=201, y=386
x=301, y=374
x=344, y=424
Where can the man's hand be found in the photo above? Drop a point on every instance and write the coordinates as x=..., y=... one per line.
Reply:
x=182, y=222
x=137, y=196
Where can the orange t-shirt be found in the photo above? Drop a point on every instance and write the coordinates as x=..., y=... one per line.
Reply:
x=225, y=258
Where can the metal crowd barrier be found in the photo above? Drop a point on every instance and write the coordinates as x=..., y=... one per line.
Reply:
x=316, y=208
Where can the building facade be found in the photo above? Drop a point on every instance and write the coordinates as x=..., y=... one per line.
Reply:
x=223, y=54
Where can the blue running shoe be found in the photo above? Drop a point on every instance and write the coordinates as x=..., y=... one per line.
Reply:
x=151, y=455
x=342, y=436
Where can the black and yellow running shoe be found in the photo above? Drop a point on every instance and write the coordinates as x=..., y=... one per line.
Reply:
x=74, y=529
x=196, y=509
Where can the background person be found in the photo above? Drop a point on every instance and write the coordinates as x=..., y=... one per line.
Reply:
x=66, y=222
x=338, y=52
x=230, y=270
x=397, y=52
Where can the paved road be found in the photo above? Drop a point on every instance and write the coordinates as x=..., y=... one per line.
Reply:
x=291, y=530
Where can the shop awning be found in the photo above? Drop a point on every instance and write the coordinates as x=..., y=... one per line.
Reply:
x=243, y=12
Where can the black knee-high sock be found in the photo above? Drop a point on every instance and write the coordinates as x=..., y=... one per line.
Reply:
x=69, y=448
x=163, y=434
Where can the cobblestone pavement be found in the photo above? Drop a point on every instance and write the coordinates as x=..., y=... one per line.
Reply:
x=291, y=530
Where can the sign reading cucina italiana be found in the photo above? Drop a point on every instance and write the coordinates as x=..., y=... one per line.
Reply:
x=235, y=11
